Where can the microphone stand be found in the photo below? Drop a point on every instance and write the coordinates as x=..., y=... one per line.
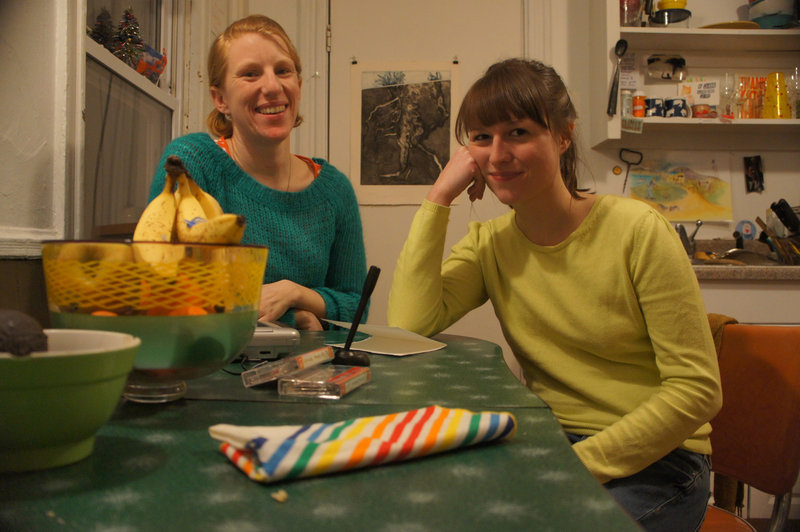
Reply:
x=344, y=355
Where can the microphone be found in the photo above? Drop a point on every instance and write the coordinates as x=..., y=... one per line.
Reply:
x=344, y=355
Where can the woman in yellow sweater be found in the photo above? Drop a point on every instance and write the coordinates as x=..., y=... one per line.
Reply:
x=595, y=296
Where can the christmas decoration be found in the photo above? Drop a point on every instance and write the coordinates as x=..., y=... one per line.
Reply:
x=129, y=43
x=151, y=65
x=103, y=31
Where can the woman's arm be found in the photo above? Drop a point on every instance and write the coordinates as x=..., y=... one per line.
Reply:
x=347, y=263
x=689, y=394
x=427, y=295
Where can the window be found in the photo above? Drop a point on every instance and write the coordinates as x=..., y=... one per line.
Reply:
x=126, y=131
x=147, y=12
x=128, y=121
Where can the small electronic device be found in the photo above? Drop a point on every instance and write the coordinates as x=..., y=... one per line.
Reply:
x=275, y=369
x=326, y=381
x=271, y=340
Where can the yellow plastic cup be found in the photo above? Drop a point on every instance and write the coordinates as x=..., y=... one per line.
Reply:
x=776, y=98
x=671, y=4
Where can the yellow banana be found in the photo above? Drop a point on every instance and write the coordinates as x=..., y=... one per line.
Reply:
x=224, y=229
x=197, y=215
x=157, y=222
x=209, y=203
x=190, y=212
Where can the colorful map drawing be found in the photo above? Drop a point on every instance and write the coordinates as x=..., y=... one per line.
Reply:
x=685, y=187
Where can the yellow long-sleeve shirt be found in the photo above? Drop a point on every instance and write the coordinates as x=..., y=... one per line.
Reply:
x=608, y=326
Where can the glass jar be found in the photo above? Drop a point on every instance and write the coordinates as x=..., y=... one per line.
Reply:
x=626, y=102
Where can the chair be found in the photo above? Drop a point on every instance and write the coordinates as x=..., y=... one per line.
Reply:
x=756, y=436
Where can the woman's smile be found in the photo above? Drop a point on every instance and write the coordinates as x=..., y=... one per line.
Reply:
x=271, y=110
x=504, y=175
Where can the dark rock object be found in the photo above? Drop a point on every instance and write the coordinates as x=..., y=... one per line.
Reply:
x=20, y=334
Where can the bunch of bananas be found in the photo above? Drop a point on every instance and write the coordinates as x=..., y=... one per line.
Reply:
x=186, y=214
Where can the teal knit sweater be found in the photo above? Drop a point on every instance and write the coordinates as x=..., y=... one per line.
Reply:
x=314, y=236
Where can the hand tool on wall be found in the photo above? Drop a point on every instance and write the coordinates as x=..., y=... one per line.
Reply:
x=629, y=157
x=619, y=50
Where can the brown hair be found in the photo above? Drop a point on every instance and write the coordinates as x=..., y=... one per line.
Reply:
x=218, y=61
x=523, y=88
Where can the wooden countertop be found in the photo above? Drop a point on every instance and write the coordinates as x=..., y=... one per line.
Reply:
x=727, y=272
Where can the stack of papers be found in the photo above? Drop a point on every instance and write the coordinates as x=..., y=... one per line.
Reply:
x=385, y=340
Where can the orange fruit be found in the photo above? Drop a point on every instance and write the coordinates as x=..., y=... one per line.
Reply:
x=190, y=310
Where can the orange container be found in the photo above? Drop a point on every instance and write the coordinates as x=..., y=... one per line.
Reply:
x=639, y=104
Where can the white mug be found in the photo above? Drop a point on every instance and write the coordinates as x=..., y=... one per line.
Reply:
x=677, y=108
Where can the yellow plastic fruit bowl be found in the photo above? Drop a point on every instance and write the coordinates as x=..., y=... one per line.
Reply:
x=194, y=306
x=53, y=402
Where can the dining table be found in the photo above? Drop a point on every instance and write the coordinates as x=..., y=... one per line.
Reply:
x=156, y=468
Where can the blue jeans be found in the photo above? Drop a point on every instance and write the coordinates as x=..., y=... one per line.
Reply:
x=669, y=495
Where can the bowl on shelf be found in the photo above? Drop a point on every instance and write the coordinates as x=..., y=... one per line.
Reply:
x=670, y=18
x=769, y=14
x=53, y=402
x=194, y=306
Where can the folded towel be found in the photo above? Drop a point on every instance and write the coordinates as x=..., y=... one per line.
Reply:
x=268, y=454
x=717, y=322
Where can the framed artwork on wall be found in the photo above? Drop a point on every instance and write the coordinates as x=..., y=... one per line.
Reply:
x=685, y=186
x=401, y=129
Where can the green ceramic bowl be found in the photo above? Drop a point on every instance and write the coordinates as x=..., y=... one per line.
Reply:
x=194, y=306
x=53, y=402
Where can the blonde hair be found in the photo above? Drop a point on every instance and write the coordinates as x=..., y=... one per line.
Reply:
x=523, y=88
x=217, y=123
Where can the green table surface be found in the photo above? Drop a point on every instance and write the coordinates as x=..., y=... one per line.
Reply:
x=155, y=467
x=468, y=373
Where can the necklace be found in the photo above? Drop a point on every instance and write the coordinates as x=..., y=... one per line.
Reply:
x=232, y=147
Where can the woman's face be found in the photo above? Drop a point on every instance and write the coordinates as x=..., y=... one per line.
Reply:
x=519, y=159
x=261, y=88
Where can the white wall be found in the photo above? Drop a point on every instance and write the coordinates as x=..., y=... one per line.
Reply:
x=478, y=33
x=33, y=136
x=28, y=150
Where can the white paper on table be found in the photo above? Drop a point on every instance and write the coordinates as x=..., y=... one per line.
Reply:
x=385, y=340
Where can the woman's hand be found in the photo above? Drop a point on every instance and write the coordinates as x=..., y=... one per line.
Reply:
x=276, y=299
x=307, y=321
x=461, y=173
x=280, y=296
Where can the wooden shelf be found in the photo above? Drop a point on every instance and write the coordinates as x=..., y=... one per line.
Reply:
x=681, y=39
x=721, y=122
x=712, y=133
x=115, y=65
x=709, y=51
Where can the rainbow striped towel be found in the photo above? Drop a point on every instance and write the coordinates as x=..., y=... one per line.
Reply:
x=268, y=454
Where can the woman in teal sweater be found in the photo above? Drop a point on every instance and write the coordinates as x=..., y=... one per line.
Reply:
x=595, y=295
x=304, y=210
